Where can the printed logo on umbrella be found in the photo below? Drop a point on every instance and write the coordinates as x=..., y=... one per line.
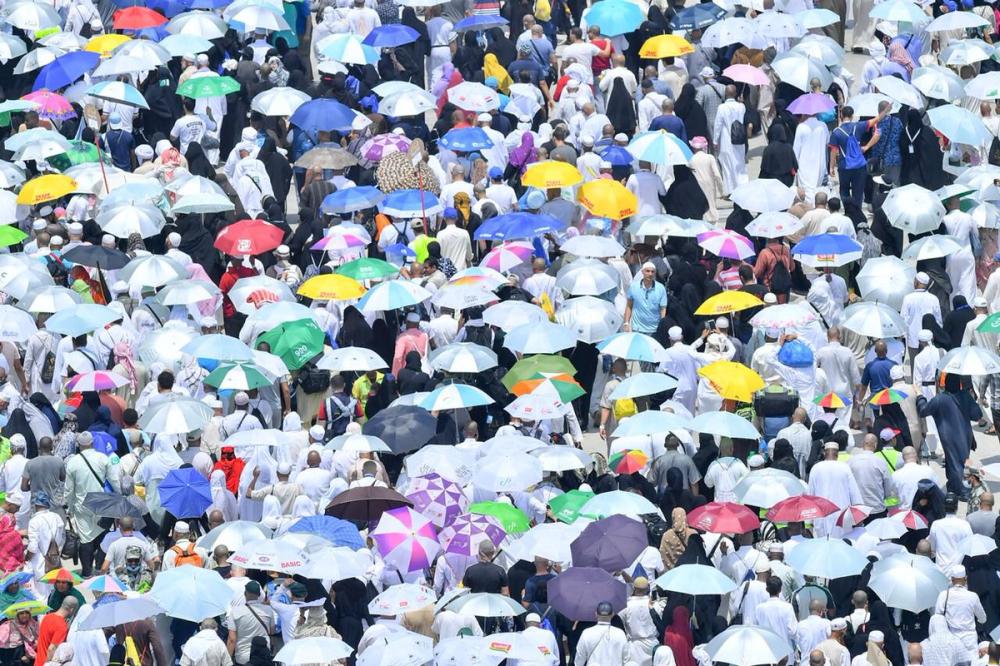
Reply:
x=501, y=646
x=244, y=245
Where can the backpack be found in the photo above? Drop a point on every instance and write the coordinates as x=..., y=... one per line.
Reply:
x=781, y=279
x=542, y=10
x=656, y=527
x=313, y=380
x=624, y=408
x=738, y=133
x=187, y=556
x=994, y=154
x=48, y=367
x=344, y=414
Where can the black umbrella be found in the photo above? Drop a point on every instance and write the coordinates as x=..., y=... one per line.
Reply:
x=366, y=503
x=96, y=256
x=110, y=505
x=403, y=428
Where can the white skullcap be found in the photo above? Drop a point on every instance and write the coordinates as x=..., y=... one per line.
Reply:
x=876, y=636
x=284, y=469
x=923, y=278
x=587, y=140
x=75, y=228
x=606, y=164
x=831, y=445
x=484, y=118
x=107, y=240
x=838, y=624
x=770, y=299
x=241, y=399
x=39, y=224
x=182, y=527
x=248, y=134
x=56, y=241
x=924, y=335
x=174, y=238
x=958, y=571
x=675, y=333
x=722, y=322
x=755, y=461
x=316, y=432
x=621, y=137
x=202, y=59
x=650, y=265
x=144, y=152
x=979, y=302
x=761, y=566
x=162, y=146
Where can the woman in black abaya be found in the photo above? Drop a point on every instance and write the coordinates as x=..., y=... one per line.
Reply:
x=922, y=156
x=468, y=59
x=279, y=171
x=421, y=47
x=621, y=109
x=500, y=46
x=778, y=160
x=198, y=164
x=685, y=197
x=160, y=92
x=691, y=112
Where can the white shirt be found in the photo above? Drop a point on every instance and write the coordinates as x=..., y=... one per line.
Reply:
x=188, y=128
x=777, y=615
x=961, y=608
x=314, y=480
x=455, y=245
x=840, y=366
x=723, y=475
x=602, y=645
x=539, y=636
x=581, y=52
x=906, y=479
x=648, y=188
x=833, y=480
x=946, y=534
x=362, y=20
x=915, y=305
x=503, y=196
x=810, y=632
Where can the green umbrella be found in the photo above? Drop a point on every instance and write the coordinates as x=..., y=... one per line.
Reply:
x=10, y=235
x=566, y=507
x=208, y=86
x=238, y=377
x=514, y=520
x=295, y=342
x=991, y=324
x=528, y=367
x=367, y=268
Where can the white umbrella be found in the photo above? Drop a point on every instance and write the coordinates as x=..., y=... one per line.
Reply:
x=667, y=225
x=618, y=502
x=798, y=70
x=976, y=545
x=724, y=424
x=874, y=320
x=260, y=18
x=175, y=415
x=153, y=270
x=900, y=91
x=269, y=555
x=938, y=82
x=776, y=224
x=233, y=535
x=548, y=540
x=461, y=297
x=509, y=315
x=885, y=280
x=120, y=612
x=643, y=384
x=31, y=16
x=695, y=579
x=507, y=473
x=164, y=345
x=50, y=299
x=15, y=325
x=885, y=529
x=766, y=487
x=984, y=86
x=820, y=48
x=592, y=319
x=401, y=598
x=198, y=23
x=251, y=293
x=11, y=47
x=470, y=96
x=504, y=444
x=763, y=195
x=587, y=277
x=912, y=208
x=540, y=338
x=313, y=650
x=125, y=219
x=352, y=359
x=965, y=52
x=779, y=26
x=403, y=104
x=400, y=648
x=327, y=563
x=784, y=315
x=463, y=357
x=536, y=407
x=956, y=21
x=486, y=604
x=742, y=645
x=451, y=463
x=730, y=31
x=907, y=586
x=865, y=105
x=932, y=247
x=37, y=58
x=970, y=360
x=826, y=558
x=556, y=458
x=281, y=101
x=188, y=292
x=593, y=246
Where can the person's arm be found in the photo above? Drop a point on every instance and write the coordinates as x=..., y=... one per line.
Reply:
x=25, y=481
x=628, y=315
x=231, y=643
x=286, y=398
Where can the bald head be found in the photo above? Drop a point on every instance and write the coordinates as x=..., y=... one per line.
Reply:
x=799, y=415
x=313, y=459
x=817, y=606
x=731, y=92
x=914, y=654
x=986, y=501
x=909, y=454
x=817, y=658
x=881, y=349
x=833, y=335
x=870, y=443
x=859, y=599
x=924, y=548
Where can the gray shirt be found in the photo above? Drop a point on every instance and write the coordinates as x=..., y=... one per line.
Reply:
x=874, y=480
x=983, y=522
x=673, y=459
x=46, y=473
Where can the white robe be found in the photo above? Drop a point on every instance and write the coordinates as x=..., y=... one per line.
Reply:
x=810, y=145
x=833, y=480
x=706, y=172
x=961, y=265
x=925, y=370
x=732, y=159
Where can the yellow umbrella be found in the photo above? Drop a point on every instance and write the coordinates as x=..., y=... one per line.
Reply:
x=105, y=44
x=551, y=173
x=728, y=301
x=45, y=188
x=608, y=198
x=733, y=381
x=665, y=46
x=331, y=287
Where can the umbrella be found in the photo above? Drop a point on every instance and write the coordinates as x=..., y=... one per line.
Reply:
x=331, y=287
x=81, y=318
x=454, y=396
x=562, y=458
x=938, y=82
x=696, y=17
x=611, y=543
x=326, y=156
x=507, y=256
x=357, y=443
x=959, y=125
x=295, y=342
x=108, y=505
x=352, y=200
x=695, y=579
x=643, y=384
x=65, y=69
x=466, y=139
x=874, y=320
x=461, y=297
x=485, y=604
x=172, y=592
x=723, y=518
x=650, y=422
x=765, y=488
x=743, y=645
x=592, y=319
x=784, y=315
x=577, y=591
x=406, y=539
x=726, y=302
x=15, y=325
x=45, y=188
x=909, y=518
x=526, y=368
x=507, y=473
x=153, y=270
x=401, y=598
x=104, y=584
x=970, y=360
x=617, y=502
x=511, y=314
x=518, y=225
x=733, y=30
x=411, y=203
x=234, y=534
x=797, y=70
x=254, y=17
x=464, y=535
x=660, y=147
x=724, y=424
x=587, y=277
x=366, y=503
x=438, y=498
x=120, y=612
x=391, y=36
x=248, y=237
x=900, y=91
x=239, y=376
x=99, y=380
x=628, y=462
x=608, y=198
x=402, y=428
x=823, y=250
x=51, y=105
x=907, y=586
x=188, y=292
x=865, y=105
x=49, y=299
x=745, y=73
x=800, y=508
x=826, y=558
x=96, y=256
x=886, y=280
x=281, y=101
x=633, y=347
x=137, y=18
x=202, y=87
x=593, y=246
x=123, y=220
x=185, y=493
x=313, y=650
x=566, y=507
x=175, y=415
x=352, y=359
x=976, y=545
x=336, y=531
x=540, y=338
x=820, y=48
x=476, y=97
x=726, y=243
x=218, y=347
x=956, y=21
x=899, y=11
x=463, y=357
x=732, y=381
x=392, y=295
x=811, y=104
x=774, y=225
x=665, y=46
x=269, y=555
x=322, y=115
x=377, y=147
x=763, y=196
x=550, y=173
x=615, y=17
x=887, y=396
x=932, y=247
x=512, y=519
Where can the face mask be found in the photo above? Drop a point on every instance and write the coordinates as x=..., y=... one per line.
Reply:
x=133, y=568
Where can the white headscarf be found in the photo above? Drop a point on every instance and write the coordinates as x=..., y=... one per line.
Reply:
x=663, y=656
x=303, y=507
x=222, y=499
x=271, y=512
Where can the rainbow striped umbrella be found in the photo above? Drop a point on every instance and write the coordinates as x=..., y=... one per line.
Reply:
x=726, y=243
x=406, y=539
x=105, y=583
x=464, y=535
x=438, y=498
x=832, y=400
x=627, y=462
x=887, y=396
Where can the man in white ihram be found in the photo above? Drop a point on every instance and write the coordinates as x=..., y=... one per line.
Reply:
x=832, y=479
x=602, y=644
x=962, y=609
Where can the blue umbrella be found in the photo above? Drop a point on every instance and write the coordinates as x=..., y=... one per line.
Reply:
x=323, y=115
x=795, y=354
x=827, y=250
x=185, y=493
x=615, y=17
x=617, y=155
x=66, y=69
x=466, y=139
x=336, y=531
x=169, y=8
x=698, y=16
x=352, y=199
x=395, y=34
x=409, y=203
x=482, y=22
x=81, y=318
x=519, y=225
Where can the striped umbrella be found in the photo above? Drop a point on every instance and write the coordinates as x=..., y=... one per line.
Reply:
x=348, y=49
x=853, y=515
x=507, y=256
x=888, y=396
x=393, y=295
x=726, y=243
x=832, y=400
x=406, y=539
x=379, y=146
x=910, y=518
x=660, y=147
x=469, y=530
x=102, y=584
x=454, y=396
x=438, y=498
x=99, y=380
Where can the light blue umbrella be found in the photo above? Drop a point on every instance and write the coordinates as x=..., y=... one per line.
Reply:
x=899, y=11
x=651, y=422
x=411, y=203
x=349, y=49
x=615, y=17
x=202, y=204
x=540, y=338
x=643, y=383
x=118, y=92
x=695, y=579
x=393, y=295
x=120, y=612
x=724, y=424
x=218, y=347
x=659, y=147
x=959, y=125
x=826, y=558
x=352, y=199
x=80, y=319
x=617, y=502
x=632, y=347
x=191, y=593
x=181, y=44
x=454, y=396
x=817, y=18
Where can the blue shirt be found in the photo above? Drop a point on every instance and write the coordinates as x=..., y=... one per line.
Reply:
x=876, y=374
x=672, y=124
x=847, y=139
x=646, y=305
x=887, y=148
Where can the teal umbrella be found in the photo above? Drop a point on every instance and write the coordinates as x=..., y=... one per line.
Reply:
x=208, y=86
x=295, y=342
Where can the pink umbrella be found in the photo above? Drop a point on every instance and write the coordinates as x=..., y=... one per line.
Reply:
x=853, y=515
x=726, y=243
x=438, y=498
x=51, y=105
x=507, y=256
x=464, y=535
x=98, y=380
x=406, y=539
x=910, y=518
x=746, y=74
x=339, y=243
x=379, y=146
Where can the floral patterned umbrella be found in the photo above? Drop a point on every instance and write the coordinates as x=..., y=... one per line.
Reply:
x=406, y=539
x=465, y=534
x=438, y=498
x=51, y=105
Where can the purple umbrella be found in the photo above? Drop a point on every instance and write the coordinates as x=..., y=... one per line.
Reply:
x=811, y=104
x=611, y=543
x=464, y=535
x=438, y=498
x=576, y=593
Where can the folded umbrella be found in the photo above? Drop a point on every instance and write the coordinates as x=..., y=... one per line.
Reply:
x=577, y=592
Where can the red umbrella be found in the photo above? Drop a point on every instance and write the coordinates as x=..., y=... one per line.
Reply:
x=912, y=519
x=138, y=18
x=800, y=508
x=249, y=237
x=853, y=515
x=723, y=518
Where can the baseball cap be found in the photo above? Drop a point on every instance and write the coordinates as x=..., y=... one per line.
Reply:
x=495, y=172
x=838, y=624
x=450, y=213
x=888, y=434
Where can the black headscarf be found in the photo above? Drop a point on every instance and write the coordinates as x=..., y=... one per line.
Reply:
x=279, y=171
x=685, y=198
x=778, y=160
x=922, y=156
x=160, y=92
x=956, y=320
x=941, y=338
x=355, y=331
x=690, y=111
x=500, y=46
x=468, y=59
x=198, y=163
x=621, y=108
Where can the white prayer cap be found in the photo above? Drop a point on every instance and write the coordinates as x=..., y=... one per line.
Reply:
x=174, y=239
x=979, y=302
x=39, y=224
x=958, y=571
x=241, y=399
x=770, y=299
x=650, y=265
x=721, y=323
x=924, y=335
x=675, y=333
x=876, y=636
x=248, y=134
x=923, y=278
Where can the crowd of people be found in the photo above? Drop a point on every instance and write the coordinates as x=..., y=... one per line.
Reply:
x=474, y=332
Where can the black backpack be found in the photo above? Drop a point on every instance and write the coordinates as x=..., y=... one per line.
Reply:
x=338, y=416
x=313, y=380
x=738, y=133
x=781, y=279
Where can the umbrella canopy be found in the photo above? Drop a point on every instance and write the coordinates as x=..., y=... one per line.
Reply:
x=660, y=147
x=476, y=97
x=313, y=650
x=826, y=558
x=268, y=555
x=455, y=396
x=724, y=424
x=874, y=320
x=185, y=493
x=617, y=502
x=540, y=338
x=765, y=488
x=551, y=173
x=593, y=246
x=608, y=198
x=507, y=473
x=403, y=428
x=723, y=518
x=616, y=17
x=406, y=539
x=633, y=347
x=281, y=101
x=938, y=82
x=464, y=534
x=695, y=579
x=774, y=225
x=463, y=357
x=120, y=612
x=971, y=360
x=592, y=319
x=907, y=586
x=81, y=318
x=234, y=534
x=643, y=384
x=650, y=422
x=899, y=91
x=352, y=359
x=763, y=195
x=886, y=280
x=295, y=342
x=172, y=592
x=175, y=415
x=732, y=381
x=587, y=277
x=959, y=125
x=611, y=543
x=401, y=598
x=665, y=46
x=577, y=591
x=65, y=69
x=726, y=302
x=932, y=247
x=441, y=500
x=913, y=209
x=801, y=508
x=727, y=244
x=824, y=250
x=742, y=645
x=336, y=531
